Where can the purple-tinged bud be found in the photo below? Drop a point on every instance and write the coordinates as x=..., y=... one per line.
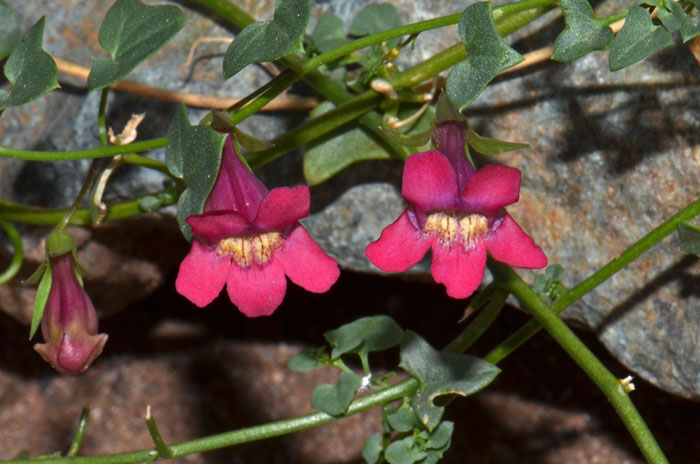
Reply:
x=69, y=323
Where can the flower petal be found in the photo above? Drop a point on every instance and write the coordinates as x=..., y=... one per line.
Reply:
x=257, y=290
x=511, y=245
x=429, y=181
x=202, y=275
x=236, y=188
x=218, y=224
x=283, y=206
x=492, y=188
x=305, y=263
x=460, y=270
x=400, y=246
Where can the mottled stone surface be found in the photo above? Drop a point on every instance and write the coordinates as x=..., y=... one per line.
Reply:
x=612, y=155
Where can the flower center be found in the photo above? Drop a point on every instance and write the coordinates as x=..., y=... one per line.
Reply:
x=450, y=227
x=249, y=250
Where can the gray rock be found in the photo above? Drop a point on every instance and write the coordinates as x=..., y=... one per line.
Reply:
x=611, y=156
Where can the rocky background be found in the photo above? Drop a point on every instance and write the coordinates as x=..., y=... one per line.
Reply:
x=611, y=156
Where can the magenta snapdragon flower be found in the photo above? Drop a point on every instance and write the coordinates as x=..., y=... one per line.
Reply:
x=69, y=323
x=459, y=213
x=248, y=238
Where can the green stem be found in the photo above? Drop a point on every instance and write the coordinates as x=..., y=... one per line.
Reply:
x=80, y=432
x=17, y=256
x=138, y=160
x=608, y=383
x=162, y=449
x=100, y=152
x=616, y=17
x=92, y=172
x=480, y=324
x=81, y=217
x=597, y=278
x=237, y=437
x=101, y=124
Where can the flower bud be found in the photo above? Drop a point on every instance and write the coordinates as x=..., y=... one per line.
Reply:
x=69, y=323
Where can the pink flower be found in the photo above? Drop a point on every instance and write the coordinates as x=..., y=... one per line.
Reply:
x=459, y=213
x=69, y=323
x=249, y=238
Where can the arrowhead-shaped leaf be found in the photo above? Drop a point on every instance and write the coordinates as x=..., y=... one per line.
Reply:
x=335, y=399
x=9, y=29
x=487, y=55
x=672, y=19
x=269, y=40
x=637, y=39
x=441, y=373
x=690, y=27
x=194, y=155
x=30, y=70
x=583, y=33
x=132, y=32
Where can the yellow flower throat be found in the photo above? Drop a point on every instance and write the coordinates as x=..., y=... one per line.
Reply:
x=249, y=250
x=453, y=227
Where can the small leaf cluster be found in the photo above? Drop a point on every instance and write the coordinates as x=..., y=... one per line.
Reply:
x=547, y=285
x=405, y=441
x=367, y=334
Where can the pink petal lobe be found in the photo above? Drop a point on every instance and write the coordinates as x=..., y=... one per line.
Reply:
x=236, y=188
x=218, y=224
x=460, y=270
x=305, y=263
x=257, y=290
x=511, y=245
x=283, y=206
x=492, y=188
x=429, y=181
x=202, y=275
x=400, y=246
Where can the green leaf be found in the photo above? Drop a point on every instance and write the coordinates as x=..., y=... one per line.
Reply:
x=150, y=203
x=487, y=146
x=440, y=438
x=269, y=40
x=330, y=154
x=308, y=360
x=194, y=155
x=487, y=55
x=376, y=18
x=21, y=456
x=441, y=373
x=250, y=142
x=373, y=448
x=402, y=420
x=373, y=333
x=335, y=399
x=30, y=70
x=637, y=39
x=42, y=296
x=329, y=33
x=403, y=451
x=673, y=19
x=583, y=33
x=690, y=27
x=9, y=29
x=689, y=237
x=132, y=32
